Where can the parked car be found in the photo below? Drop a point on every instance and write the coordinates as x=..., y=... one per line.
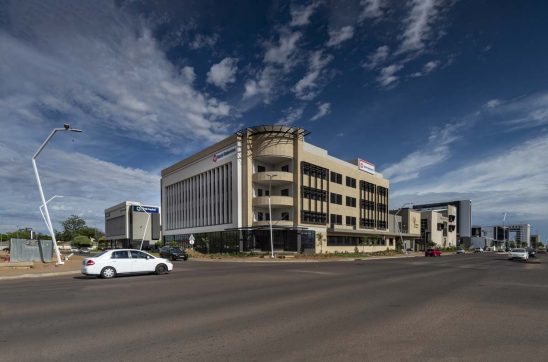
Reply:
x=518, y=253
x=478, y=250
x=74, y=250
x=111, y=263
x=432, y=252
x=173, y=253
x=532, y=252
x=460, y=251
x=85, y=250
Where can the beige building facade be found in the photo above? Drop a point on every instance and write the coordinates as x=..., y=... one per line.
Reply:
x=226, y=196
x=440, y=227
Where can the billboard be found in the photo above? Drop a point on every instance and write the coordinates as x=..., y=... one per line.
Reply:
x=366, y=166
x=149, y=209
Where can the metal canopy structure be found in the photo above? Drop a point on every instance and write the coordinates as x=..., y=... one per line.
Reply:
x=275, y=128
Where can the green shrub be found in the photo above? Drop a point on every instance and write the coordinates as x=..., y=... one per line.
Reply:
x=82, y=240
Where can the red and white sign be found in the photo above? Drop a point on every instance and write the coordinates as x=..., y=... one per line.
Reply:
x=366, y=166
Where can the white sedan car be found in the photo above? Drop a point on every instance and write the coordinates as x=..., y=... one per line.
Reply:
x=519, y=253
x=110, y=263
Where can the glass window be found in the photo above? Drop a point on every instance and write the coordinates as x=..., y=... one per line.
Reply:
x=285, y=192
x=259, y=192
x=261, y=169
x=135, y=254
x=120, y=254
x=285, y=216
x=285, y=168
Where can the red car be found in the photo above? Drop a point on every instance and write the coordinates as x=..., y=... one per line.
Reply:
x=432, y=252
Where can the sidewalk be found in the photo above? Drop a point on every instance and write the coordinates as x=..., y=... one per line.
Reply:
x=72, y=266
x=38, y=270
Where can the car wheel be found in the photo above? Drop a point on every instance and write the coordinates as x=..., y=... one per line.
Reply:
x=108, y=272
x=161, y=269
x=173, y=258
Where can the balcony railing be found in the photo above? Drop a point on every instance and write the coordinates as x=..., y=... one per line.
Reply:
x=275, y=201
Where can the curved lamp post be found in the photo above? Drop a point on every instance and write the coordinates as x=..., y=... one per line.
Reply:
x=400, y=224
x=47, y=218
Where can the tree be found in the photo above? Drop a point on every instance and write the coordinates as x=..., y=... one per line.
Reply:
x=72, y=227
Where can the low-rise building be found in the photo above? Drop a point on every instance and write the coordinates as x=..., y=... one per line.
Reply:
x=439, y=227
x=130, y=224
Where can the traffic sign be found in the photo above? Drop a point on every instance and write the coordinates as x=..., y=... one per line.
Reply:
x=191, y=239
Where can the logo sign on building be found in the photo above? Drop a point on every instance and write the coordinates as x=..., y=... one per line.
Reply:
x=220, y=155
x=366, y=166
x=149, y=209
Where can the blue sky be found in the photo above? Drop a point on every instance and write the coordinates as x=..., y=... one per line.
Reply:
x=448, y=98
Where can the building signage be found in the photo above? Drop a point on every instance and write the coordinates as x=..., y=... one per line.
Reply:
x=223, y=154
x=149, y=209
x=366, y=166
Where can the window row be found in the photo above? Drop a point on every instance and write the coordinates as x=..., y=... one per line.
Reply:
x=312, y=217
x=314, y=170
x=314, y=194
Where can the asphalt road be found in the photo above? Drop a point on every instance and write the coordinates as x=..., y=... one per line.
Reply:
x=461, y=307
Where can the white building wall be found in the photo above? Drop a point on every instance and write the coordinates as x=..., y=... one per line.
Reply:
x=205, y=195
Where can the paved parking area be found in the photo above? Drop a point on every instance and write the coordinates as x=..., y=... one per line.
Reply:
x=461, y=307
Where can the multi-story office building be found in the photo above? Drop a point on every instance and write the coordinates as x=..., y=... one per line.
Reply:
x=130, y=224
x=464, y=214
x=407, y=223
x=227, y=195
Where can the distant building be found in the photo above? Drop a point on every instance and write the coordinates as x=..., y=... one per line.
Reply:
x=129, y=224
x=464, y=215
x=439, y=227
x=406, y=225
x=535, y=241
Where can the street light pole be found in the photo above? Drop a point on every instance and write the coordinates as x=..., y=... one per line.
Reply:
x=146, y=225
x=400, y=224
x=270, y=213
x=44, y=204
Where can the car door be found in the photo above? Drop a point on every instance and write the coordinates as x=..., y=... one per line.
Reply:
x=120, y=260
x=141, y=262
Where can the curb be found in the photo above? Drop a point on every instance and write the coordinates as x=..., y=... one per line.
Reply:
x=40, y=275
x=272, y=261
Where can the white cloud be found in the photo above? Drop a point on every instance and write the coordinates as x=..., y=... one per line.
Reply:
x=263, y=85
x=323, y=110
x=204, y=41
x=371, y=9
x=418, y=24
x=428, y=68
x=292, y=114
x=105, y=72
x=309, y=86
x=493, y=103
x=434, y=152
x=300, y=15
x=388, y=75
x=336, y=37
x=223, y=72
x=513, y=181
x=521, y=113
x=378, y=57
x=188, y=74
x=283, y=52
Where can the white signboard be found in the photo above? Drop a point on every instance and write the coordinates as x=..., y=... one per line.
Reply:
x=220, y=155
x=366, y=166
x=191, y=239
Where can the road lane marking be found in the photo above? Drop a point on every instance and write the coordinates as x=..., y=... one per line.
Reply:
x=311, y=272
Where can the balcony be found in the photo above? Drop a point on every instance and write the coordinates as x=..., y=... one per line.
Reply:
x=275, y=200
x=280, y=178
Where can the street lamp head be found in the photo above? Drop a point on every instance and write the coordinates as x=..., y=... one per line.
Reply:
x=67, y=128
